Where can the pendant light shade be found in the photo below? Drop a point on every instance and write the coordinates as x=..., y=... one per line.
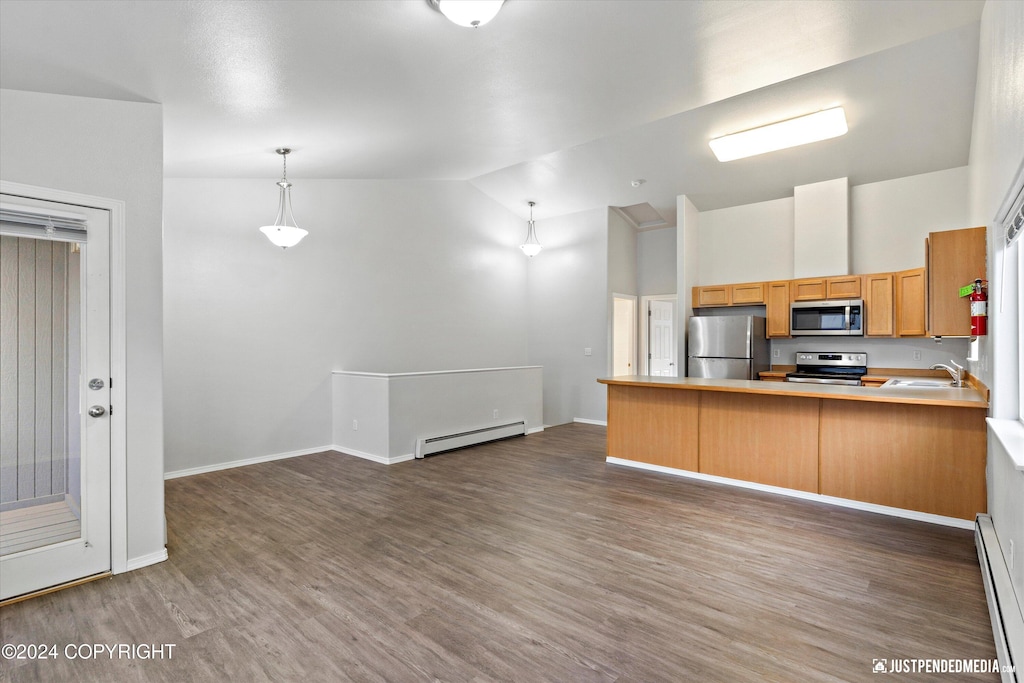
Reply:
x=532, y=246
x=284, y=232
x=468, y=13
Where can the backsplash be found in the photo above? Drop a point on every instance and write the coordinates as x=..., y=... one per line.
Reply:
x=882, y=353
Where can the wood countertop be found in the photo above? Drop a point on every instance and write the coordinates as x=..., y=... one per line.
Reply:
x=966, y=397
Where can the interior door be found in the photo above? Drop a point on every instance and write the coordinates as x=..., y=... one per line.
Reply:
x=661, y=336
x=55, y=391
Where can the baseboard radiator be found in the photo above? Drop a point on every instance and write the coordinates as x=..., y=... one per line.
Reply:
x=450, y=442
x=1007, y=619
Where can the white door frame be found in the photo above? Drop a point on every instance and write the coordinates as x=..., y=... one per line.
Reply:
x=118, y=424
x=645, y=350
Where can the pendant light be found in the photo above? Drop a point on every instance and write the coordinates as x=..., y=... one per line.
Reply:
x=468, y=13
x=532, y=246
x=284, y=232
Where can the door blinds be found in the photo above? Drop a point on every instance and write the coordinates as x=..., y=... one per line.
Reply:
x=39, y=223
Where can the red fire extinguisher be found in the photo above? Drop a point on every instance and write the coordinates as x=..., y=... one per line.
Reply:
x=979, y=310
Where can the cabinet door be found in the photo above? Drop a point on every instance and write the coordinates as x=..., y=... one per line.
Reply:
x=747, y=294
x=777, y=308
x=910, y=303
x=717, y=295
x=881, y=309
x=955, y=259
x=809, y=290
x=847, y=287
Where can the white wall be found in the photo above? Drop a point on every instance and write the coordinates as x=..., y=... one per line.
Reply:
x=746, y=243
x=656, y=261
x=568, y=301
x=821, y=228
x=997, y=149
x=622, y=255
x=890, y=220
x=113, y=150
x=687, y=276
x=395, y=276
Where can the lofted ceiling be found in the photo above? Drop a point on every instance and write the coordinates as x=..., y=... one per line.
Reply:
x=561, y=101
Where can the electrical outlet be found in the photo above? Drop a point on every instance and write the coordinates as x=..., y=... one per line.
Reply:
x=917, y=354
x=776, y=353
x=588, y=351
x=355, y=425
x=495, y=414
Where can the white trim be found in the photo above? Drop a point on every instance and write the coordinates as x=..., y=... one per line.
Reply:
x=432, y=372
x=535, y=430
x=381, y=459
x=804, y=495
x=246, y=461
x=583, y=420
x=146, y=560
x=1010, y=434
x=118, y=353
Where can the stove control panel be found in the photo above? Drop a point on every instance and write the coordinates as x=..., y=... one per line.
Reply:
x=827, y=358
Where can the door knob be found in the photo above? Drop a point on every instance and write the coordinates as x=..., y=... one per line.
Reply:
x=97, y=411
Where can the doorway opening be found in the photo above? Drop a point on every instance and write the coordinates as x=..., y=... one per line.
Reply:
x=623, y=334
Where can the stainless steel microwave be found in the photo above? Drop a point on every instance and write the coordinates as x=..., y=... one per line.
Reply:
x=827, y=318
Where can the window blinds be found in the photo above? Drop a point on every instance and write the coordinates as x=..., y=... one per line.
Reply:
x=38, y=223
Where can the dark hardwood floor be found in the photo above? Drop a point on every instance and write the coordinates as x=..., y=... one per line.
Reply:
x=524, y=560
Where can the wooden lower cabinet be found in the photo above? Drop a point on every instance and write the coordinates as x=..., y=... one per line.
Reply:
x=924, y=458
x=768, y=440
x=927, y=458
x=656, y=426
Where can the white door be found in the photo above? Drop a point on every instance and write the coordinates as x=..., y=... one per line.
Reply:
x=54, y=394
x=661, y=338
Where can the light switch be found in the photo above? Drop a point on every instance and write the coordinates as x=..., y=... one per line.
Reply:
x=588, y=351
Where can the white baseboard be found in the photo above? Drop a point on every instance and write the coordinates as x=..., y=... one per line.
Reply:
x=247, y=461
x=146, y=560
x=804, y=495
x=535, y=430
x=382, y=459
x=583, y=420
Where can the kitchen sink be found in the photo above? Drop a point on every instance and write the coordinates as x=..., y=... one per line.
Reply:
x=918, y=384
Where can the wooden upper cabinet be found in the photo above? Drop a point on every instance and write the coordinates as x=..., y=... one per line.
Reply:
x=747, y=294
x=878, y=300
x=954, y=258
x=845, y=287
x=911, y=295
x=777, y=308
x=716, y=295
x=812, y=289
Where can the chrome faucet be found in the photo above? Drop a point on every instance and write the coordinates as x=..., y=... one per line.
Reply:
x=957, y=375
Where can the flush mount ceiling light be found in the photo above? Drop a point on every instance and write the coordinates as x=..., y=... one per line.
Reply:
x=468, y=13
x=822, y=125
x=284, y=232
x=531, y=247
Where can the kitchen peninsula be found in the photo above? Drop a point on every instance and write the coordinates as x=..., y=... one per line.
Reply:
x=911, y=450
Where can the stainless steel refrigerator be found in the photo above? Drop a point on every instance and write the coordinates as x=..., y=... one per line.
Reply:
x=727, y=347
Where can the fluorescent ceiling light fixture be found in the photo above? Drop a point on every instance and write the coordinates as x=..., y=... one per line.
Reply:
x=468, y=13
x=822, y=125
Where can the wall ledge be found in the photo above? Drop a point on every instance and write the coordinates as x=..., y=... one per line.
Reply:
x=1009, y=433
